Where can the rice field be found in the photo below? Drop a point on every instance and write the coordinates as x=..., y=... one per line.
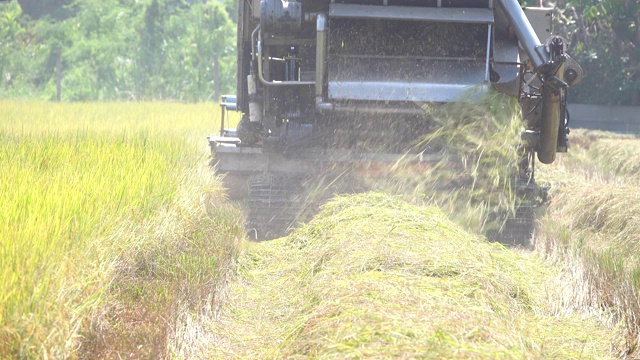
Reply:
x=94, y=198
x=116, y=240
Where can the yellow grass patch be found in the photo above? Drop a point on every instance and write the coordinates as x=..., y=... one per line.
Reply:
x=593, y=227
x=92, y=198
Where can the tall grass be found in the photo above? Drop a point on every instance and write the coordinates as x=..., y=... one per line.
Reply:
x=593, y=227
x=84, y=189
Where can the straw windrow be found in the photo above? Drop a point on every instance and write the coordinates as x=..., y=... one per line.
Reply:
x=372, y=276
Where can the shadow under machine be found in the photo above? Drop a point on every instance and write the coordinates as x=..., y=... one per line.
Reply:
x=324, y=82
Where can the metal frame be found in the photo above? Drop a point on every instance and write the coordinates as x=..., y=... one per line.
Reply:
x=401, y=91
x=525, y=32
x=439, y=14
x=397, y=91
x=258, y=48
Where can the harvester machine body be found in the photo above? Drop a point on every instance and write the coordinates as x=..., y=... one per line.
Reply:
x=330, y=80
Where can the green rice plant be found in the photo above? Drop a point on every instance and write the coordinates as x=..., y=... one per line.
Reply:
x=375, y=277
x=85, y=188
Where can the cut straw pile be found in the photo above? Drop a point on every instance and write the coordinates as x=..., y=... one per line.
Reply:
x=474, y=182
x=593, y=227
x=372, y=276
x=484, y=139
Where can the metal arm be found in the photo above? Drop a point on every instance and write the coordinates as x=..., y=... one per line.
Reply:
x=527, y=36
x=556, y=70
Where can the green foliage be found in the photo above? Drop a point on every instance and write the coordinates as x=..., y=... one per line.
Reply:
x=36, y=9
x=16, y=48
x=120, y=50
x=605, y=39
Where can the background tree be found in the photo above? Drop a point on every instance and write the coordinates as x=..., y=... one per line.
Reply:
x=605, y=39
x=11, y=40
x=150, y=61
x=37, y=9
x=209, y=35
x=118, y=49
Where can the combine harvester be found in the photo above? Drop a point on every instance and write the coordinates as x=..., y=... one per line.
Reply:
x=329, y=82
